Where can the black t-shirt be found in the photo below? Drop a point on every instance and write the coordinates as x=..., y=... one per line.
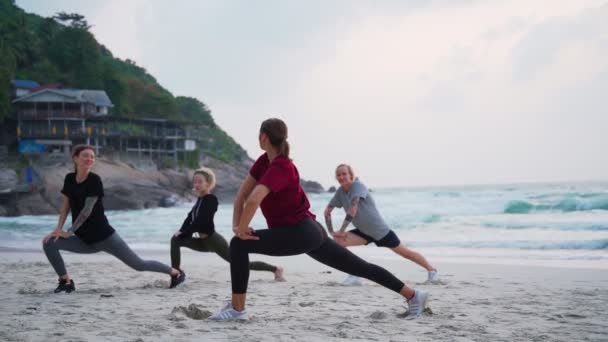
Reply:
x=200, y=218
x=96, y=227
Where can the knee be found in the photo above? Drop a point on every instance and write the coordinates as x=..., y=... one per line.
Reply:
x=237, y=247
x=235, y=243
x=174, y=242
x=47, y=245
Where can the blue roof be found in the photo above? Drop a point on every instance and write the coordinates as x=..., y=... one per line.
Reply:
x=104, y=104
x=25, y=84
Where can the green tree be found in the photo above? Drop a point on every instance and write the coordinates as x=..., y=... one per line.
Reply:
x=76, y=20
x=77, y=56
x=193, y=110
x=149, y=100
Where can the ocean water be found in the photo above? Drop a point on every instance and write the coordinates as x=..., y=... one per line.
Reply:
x=538, y=224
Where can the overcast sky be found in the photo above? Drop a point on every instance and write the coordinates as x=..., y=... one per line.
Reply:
x=408, y=92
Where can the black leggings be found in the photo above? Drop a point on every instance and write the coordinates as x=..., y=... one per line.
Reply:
x=307, y=236
x=213, y=243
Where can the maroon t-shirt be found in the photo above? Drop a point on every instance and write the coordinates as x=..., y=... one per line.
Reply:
x=286, y=204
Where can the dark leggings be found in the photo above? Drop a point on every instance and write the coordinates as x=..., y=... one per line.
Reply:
x=309, y=237
x=213, y=243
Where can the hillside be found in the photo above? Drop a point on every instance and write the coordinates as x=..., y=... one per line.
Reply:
x=62, y=50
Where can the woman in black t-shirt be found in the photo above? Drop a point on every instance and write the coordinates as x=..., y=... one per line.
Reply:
x=90, y=231
x=200, y=220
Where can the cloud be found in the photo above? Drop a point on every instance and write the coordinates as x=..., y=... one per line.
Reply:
x=542, y=45
x=410, y=93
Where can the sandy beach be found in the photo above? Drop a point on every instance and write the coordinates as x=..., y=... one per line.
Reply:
x=476, y=303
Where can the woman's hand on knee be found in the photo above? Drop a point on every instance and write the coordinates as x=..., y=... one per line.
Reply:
x=245, y=234
x=340, y=238
x=55, y=235
x=49, y=236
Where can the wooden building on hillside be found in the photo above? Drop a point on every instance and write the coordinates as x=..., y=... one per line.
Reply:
x=52, y=119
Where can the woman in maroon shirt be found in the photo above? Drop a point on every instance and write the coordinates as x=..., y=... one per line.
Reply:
x=273, y=184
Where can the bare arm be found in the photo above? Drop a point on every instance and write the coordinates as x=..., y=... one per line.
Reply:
x=330, y=227
x=89, y=203
x=251, y=205
x=244, y=192
x=352, y=211
x=63, y=212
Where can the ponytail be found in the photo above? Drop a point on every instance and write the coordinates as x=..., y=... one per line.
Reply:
x=284, y=148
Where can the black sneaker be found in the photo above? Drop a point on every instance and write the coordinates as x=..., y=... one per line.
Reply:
x=65, y=286
x=178, y=279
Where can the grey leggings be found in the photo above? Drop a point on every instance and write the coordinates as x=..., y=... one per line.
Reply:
x=113, y=245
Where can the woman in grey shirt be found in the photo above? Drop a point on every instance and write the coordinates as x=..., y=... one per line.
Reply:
x=361, y=210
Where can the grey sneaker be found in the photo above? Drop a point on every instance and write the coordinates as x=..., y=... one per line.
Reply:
x=351, y=280
x=229, y=314
x=416, y=305
x=433, y=277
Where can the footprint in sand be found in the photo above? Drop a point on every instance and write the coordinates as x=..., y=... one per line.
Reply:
x=27, y=291
x=192, y=311
x=427, y=312
x=378, y=315
x=305, y=304
x=156, y=284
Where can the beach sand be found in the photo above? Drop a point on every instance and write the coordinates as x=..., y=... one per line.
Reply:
x=477, y=302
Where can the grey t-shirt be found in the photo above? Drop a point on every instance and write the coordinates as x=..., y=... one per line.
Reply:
x=367, y=219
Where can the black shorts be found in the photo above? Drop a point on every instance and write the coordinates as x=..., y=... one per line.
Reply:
x=390, y=240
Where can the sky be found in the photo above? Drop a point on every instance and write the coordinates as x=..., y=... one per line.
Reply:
x=410, y=93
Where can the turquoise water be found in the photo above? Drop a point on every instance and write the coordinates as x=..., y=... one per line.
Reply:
x=548, y=224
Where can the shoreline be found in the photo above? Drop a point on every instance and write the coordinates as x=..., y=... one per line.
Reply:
x=371, y=254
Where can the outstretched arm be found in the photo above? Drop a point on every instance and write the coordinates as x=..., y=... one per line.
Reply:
x=63, y=214
x=352, y=211
x=239, y=201
x=330, y=227
x=252, y=203
x=89, y=203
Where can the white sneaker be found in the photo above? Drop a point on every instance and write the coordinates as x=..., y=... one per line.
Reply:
x=229, y=315
x=416, y=305
x=352, y=280
x=226, y=307
x=433, y=277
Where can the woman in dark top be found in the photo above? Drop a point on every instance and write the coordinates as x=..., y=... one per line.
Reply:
x=273, y=184
x=90, y=231
x=200, y=220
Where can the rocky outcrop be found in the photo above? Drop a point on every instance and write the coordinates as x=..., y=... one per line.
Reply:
x=125, y=186
x=228, y=176
x=8, y=179
x=311, y=187
x=33, y=203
